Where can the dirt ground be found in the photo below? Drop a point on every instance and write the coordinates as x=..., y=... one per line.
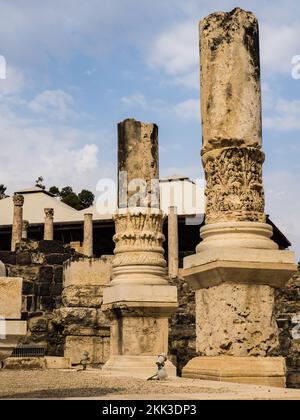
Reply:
x=92, y=384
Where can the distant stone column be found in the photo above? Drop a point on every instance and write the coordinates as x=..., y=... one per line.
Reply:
x=16, y=236
x=48, y=226
x=140, y=300
x=88, y=235
x=25, y=227
x=237, y=266
x=173, y=250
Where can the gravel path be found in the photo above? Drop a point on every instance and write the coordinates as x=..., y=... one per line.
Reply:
x=92, y=384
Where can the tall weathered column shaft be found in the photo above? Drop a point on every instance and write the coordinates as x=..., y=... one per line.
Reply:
x=48, y=225
x=16, y=236
x=140, y=300
x=173, y=249
x=25, y=227
x=237, y=266
x=88, y=235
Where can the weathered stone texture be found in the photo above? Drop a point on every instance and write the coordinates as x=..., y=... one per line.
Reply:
x=41, y=291
x=286, y=308
x=97, y=347
x=236, y=320
x=83, y=296
x=182, y=327
x=10, y=297
x=138, y=157
x=230, y=80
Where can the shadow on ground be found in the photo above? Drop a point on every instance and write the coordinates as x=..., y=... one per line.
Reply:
x=63, y=393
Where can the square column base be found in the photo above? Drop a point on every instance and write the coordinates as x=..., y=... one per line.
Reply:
x=268, y=371
x=135, y=366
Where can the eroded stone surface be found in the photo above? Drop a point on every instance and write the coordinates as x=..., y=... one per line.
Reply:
x=138, y=157
x=236, y=320
x=10, y=297
x=83, y=296
x=97, y=347
x=230, y=80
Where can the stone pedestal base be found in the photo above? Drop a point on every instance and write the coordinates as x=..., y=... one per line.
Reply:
x=10, y=334
x=139, y=326
x=135, y=366
x=268, y=371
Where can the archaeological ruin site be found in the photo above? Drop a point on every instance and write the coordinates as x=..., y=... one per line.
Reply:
x=216, y=300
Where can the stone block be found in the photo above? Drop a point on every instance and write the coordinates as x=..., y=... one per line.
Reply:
x=23, y=363
x=87, y=272
x=58, y=275
x=236, y=319
x=75, y=346
x=85, y=317
x=43, y=289
x=46, y=274
x=51, y=246
x=56, y=289
x=29, y=273
x=241, y=265
x=53, y=362
x=10, y=297
x=158, y=293
x=83, y=296
x=23, y=258
x=8, y=257
x=39, y=324
x=74, y=329
x=268, y=371
x=28, y=287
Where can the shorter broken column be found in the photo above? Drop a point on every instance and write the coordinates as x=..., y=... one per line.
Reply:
x=139, y=300
x=173, y=260
x=16, y=236
x=48, y=226
x=25, y=227
x=88, y=235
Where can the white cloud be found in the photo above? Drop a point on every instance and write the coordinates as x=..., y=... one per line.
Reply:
x=53, y=103
x=188, y=110
x=86, y=158
x=135, y=99
x=14, y=81
x=63, y=155
x=175, y=51
x=285, y=116
x=279, y=43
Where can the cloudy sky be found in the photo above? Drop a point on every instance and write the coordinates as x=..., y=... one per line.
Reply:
x=74, y=69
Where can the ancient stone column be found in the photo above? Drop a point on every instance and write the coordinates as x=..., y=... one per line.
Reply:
x=139, y=300
x=48, y=225
x=237, y=266
x=173, y=260
x=16, y=236
x=88, y=235
x=25, y=227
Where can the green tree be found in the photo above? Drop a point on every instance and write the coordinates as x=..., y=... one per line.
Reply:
x=80, y=201
x=72, y=201
x=2, y=191
x=66, y=191
x=55, y=191
x=39, y=182
x=86, y=198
